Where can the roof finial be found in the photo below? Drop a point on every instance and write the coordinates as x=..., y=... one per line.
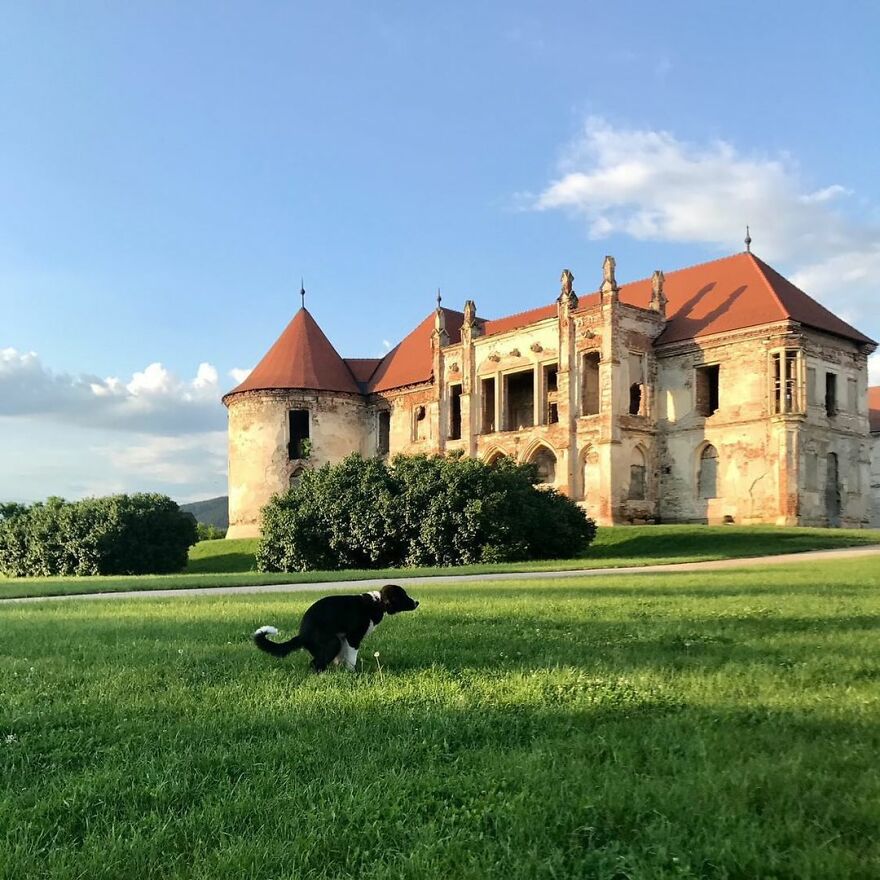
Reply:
x=439, y=298
x=748, y=241
x=302, y=291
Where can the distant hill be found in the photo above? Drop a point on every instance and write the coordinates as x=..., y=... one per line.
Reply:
x=213, y=512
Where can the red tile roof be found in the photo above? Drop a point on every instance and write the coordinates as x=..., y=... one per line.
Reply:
x=521, y=319
x=362, y=368
x=730, y=294
x=411, y=362
x=302, y=357
x=874, y=407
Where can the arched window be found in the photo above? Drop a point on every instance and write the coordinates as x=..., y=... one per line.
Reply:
x=545, y=461
x=637, y=476
x=296, y=476
x=707, y=476
x=495, y=457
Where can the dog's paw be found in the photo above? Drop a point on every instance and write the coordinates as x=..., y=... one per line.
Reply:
x=266, y=631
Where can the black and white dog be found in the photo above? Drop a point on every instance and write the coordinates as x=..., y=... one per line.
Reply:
x=333, y=628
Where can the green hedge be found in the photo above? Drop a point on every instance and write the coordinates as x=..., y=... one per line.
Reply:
x=119, y=534
x=419, y=511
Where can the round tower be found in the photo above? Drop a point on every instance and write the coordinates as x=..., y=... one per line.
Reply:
x=299, y=408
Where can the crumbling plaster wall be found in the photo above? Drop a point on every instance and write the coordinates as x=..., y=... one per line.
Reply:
x=749, y=447
x=875, y=481
x=259, y=465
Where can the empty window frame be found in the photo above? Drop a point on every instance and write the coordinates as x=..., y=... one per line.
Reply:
x=550, y=404
x=636, y=383
x=455, y=412
x=420, y=423
x=707, y=473
x=487, y=405
x=812, y=397
x=831, y=394
x=298, y=434
x=545, y=464
x=852, y=397
x=707, y=380
x=383, y=432
x=519, y=400
x=785, y=381
x=637, y=476
x=590, y=383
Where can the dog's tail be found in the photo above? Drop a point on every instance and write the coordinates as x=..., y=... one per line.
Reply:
x=276, y=649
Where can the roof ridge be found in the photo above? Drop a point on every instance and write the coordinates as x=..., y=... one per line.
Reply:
x=759, y=264
x=683, y=269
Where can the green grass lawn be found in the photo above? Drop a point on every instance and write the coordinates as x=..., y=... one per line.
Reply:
x=713, y=725
x=231, y=563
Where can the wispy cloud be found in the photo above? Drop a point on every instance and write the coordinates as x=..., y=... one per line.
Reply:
x=651, y=185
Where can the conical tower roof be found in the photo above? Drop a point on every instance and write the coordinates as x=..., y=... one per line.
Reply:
x=302, y=357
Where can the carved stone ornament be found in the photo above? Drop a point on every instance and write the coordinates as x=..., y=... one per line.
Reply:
x=609, y=282
x=514, y=352
x=536, y=347
x=470, y=313
x=588, y=333
x=567, y=280
x=453, y=368
x=495, y=357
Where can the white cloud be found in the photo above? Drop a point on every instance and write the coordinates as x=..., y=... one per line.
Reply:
x=153, y=401
x=650, y=185
x=874, y=369
x=171, y=460
x=239, y=375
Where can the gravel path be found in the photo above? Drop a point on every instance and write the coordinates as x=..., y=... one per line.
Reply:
x=362, y=586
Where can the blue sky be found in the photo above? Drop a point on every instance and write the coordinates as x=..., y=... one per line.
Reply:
x=168, y=171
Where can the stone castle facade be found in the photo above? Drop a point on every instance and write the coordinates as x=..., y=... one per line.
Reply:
x=717, y=393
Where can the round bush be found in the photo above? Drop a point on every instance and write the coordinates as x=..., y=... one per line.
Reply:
x=419, y=511
x=119, y=534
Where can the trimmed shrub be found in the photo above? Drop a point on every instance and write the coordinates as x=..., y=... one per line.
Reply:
x=419, y=511
x=119, y=534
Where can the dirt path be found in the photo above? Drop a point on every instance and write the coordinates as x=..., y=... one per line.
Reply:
x=361, y=586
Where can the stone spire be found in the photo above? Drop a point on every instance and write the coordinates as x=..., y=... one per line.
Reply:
x=567, y=295
x=470, y=318
x=658, y=297
x=609, y=288
x=440, y=334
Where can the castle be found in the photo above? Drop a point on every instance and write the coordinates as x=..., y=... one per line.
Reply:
x=716, y=393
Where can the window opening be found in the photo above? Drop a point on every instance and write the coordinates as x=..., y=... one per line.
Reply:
x=421, y=423
x=637, y=477
x=637, y=383
x=707, y=389
x=519, y=400
x=551, y=394
x=383, y=442
x=455, y=412
x=487, y=397
x=545, y=462
x=298, y=432
x=707, y=480
x=590, y=384
x=831, y=394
